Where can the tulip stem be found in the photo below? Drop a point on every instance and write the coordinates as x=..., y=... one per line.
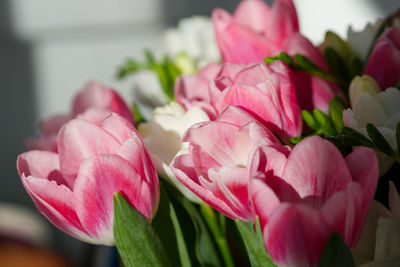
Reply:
x=217, y=228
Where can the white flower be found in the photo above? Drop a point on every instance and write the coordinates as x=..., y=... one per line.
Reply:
x=361, y=41
x=163, y=139
x=379, y=244
x=195, y=37
x=147, y=91
x=383, y=111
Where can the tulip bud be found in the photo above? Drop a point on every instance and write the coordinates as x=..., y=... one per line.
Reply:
x=186, y=64
x=360, y=85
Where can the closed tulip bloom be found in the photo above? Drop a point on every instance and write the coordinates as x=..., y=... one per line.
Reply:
x=215, y=167
x=267, y=92
x=304, y=195
x=384, y=62
x=94, y=102
x=255, y=30
x=74, y=187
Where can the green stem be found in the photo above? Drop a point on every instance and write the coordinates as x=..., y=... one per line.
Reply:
x=219, y=235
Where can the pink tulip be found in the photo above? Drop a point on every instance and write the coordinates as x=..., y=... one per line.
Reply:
x=74, y=188
x=215, y=169
x=384, y=62
x=192, y=90
x=303, y=196
x=255, y=30
x=267, y=92
x=93, y=103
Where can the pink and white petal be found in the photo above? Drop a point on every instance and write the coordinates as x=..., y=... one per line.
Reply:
x=56, y=203
x=133, y=151
x=183, y=169
x=79, y=140
x=235, y=115
x=119, y=106
x=233, y=186
x=282, y=22
x=263, y=199
x=42, y=165
x=315, y=167
x=118, y=127
x=52, y=125
x=253, y=14
x=223, y=142
x=94, y=114
x=344, y=213
x=98, y=179
x=238, y=44
x=364, y=168
x=296, y=235
x=94, y=94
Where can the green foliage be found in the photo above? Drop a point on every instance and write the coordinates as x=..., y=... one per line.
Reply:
x=136, y=240
x=336, y=253
x=336, y=107
x=304, y=64
x=380, y=143
x=137, y=114
x=254, y=244
x=167, y=71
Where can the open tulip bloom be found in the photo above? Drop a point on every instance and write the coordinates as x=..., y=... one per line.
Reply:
x=255, y=132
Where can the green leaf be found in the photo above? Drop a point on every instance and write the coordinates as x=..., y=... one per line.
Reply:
x=378, y=139
x=296, y=140
x=354, y=138
x=398, y=84
x=129, y=67
x=137, y=114
x=183, y=252
x=255, y=247
x=284, y=57
x=310, y=120
x=325, y=122
x=306, y=64
x=336, y=107
x=164, y=227
x=149, y=57
x=137, y=242
x=204, y=248
x=336, y=64
x=336, y=253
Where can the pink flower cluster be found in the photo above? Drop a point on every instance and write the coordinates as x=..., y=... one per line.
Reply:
x=237, y=162
x=93, y=153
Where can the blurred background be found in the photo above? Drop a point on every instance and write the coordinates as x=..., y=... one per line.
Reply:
x=50, y=49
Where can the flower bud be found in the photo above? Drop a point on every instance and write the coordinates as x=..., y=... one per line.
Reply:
x=360, y=85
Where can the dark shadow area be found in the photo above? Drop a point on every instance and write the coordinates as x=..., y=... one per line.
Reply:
x=16, y=107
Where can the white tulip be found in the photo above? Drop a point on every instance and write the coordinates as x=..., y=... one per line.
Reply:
x=383, y=111
x=194, y=36
x=379, y=244
x=163, y=139
x=361, y=41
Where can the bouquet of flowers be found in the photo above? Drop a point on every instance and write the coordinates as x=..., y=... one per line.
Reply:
x=247, y=145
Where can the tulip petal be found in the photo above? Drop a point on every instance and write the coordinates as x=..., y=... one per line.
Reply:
x=118, y=127
x=344, y=213
x=41, y=164
x=79, y=140
x=98, y=179
x=253, y=14
x=364, y=168
x=56, y=203
x=296, y=235
x=315, y=167
x=237, y=43
x=183, y=169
